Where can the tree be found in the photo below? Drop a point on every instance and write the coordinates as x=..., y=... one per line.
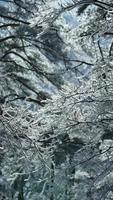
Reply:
x=64, y=151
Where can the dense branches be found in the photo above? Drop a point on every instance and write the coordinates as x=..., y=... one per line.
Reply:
x=56, y=101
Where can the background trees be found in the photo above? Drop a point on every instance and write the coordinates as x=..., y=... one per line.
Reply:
x=23, y=49
x=56, y=101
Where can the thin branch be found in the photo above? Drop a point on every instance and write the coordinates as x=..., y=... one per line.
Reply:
x=11, y=24
x=110, y=50
x=95, y=2
x=14, y=19
x=7, y=38
x=100, y=49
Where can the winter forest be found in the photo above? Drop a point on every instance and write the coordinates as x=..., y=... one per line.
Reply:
x=56, y=100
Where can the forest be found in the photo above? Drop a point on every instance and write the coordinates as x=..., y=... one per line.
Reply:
x=56, y=99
